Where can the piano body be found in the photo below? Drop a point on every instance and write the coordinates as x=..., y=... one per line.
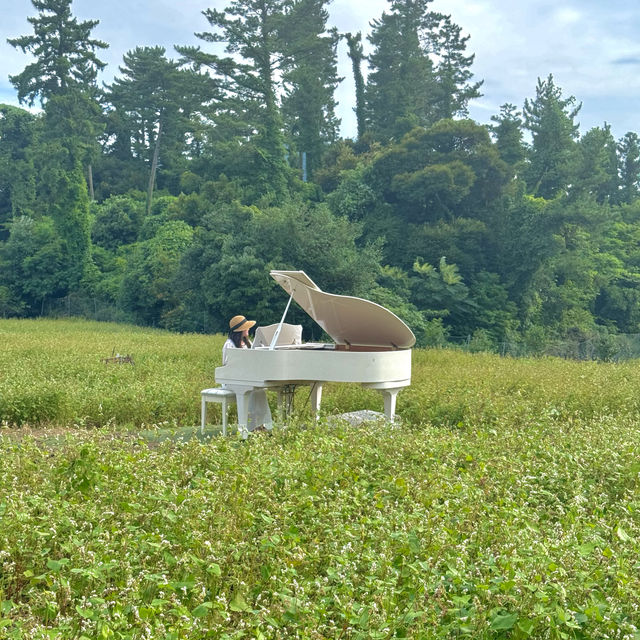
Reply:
x=372, y=346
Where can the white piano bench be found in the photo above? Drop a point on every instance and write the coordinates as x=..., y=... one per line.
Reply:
x=223, y=397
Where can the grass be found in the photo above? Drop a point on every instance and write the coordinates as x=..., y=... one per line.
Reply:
x=53, y=373
x=504, y=506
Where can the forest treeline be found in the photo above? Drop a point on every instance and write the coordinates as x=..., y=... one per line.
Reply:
x=169, y=194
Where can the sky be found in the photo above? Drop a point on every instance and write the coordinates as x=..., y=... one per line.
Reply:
x=591, y=47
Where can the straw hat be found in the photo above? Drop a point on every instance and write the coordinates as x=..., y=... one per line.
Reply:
x=240, y=323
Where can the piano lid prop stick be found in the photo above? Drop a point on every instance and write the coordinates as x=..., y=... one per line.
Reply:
x=276, y=333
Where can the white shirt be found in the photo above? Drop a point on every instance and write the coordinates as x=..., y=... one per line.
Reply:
x=229, y=344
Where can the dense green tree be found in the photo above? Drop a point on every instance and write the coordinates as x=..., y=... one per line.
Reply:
x=104, y=278
x=63, y=76
x=447, y=170
x=148, y=290
x=617, y=304
x=251, y=32
x=550, y=119
x=400, y=91
x=596, y=172
x=31, y=262
x=353, y=198
x=393, y=291
x=138, y=96
x=17, y=171
x=629, y=152
x=493, y=311
x=518, y=261
x=466, y=242
x=441, y=292
x=419, y=70
x=507, y=131
x=154, y=103
x=227, y=267
x=51, y=182
x=309, y=79
x=70, y=213
x=71, y=126
x=452, y=71
x=568, y=272
x=117, y=222
x=64, y=53
x=341, y=156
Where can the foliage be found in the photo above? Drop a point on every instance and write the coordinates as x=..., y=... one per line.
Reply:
x=234, y=251
x=452, y=71
x=117, y=222
x=597, y=166
x=629, y=167
x=251, y=33
x=30, y=262
x=152, y=108
x=147, y=286
x=508, y=134
x=17, y=172
x=419, y=70
x=439, y=172
x=356, y=55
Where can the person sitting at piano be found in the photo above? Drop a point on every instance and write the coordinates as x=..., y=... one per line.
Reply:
x=259, y=412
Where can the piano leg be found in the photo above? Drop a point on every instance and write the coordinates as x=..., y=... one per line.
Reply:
x=316, y=398
x=242, y=402
x=389, y=393
x=390, y=396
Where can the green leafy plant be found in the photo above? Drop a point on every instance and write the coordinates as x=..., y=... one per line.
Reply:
x=504, y=504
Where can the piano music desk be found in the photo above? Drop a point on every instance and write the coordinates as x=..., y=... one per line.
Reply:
x=223, y=397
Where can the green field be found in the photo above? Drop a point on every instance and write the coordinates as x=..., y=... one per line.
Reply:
x=503, y=505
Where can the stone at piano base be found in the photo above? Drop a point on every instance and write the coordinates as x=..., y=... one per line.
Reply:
x=356, y=418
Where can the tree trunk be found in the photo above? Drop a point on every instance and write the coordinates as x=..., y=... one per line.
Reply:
x=154, y=167
x=356, y=54
x=90, y=178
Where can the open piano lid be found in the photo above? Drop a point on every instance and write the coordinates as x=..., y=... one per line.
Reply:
x=349, y=321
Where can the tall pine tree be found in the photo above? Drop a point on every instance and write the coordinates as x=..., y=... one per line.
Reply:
x=310, y=78
x=356, y=55
x=508, y=134
x=400, y=90
x=629, y=154
x=419, y=71
x=251, y=31
x=64, y=53
x=154, y=103
x=597, y=166
x=63, y=76
x=552, y=156
x=452, y=70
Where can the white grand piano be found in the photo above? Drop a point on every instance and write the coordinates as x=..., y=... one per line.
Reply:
x=372, y=346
